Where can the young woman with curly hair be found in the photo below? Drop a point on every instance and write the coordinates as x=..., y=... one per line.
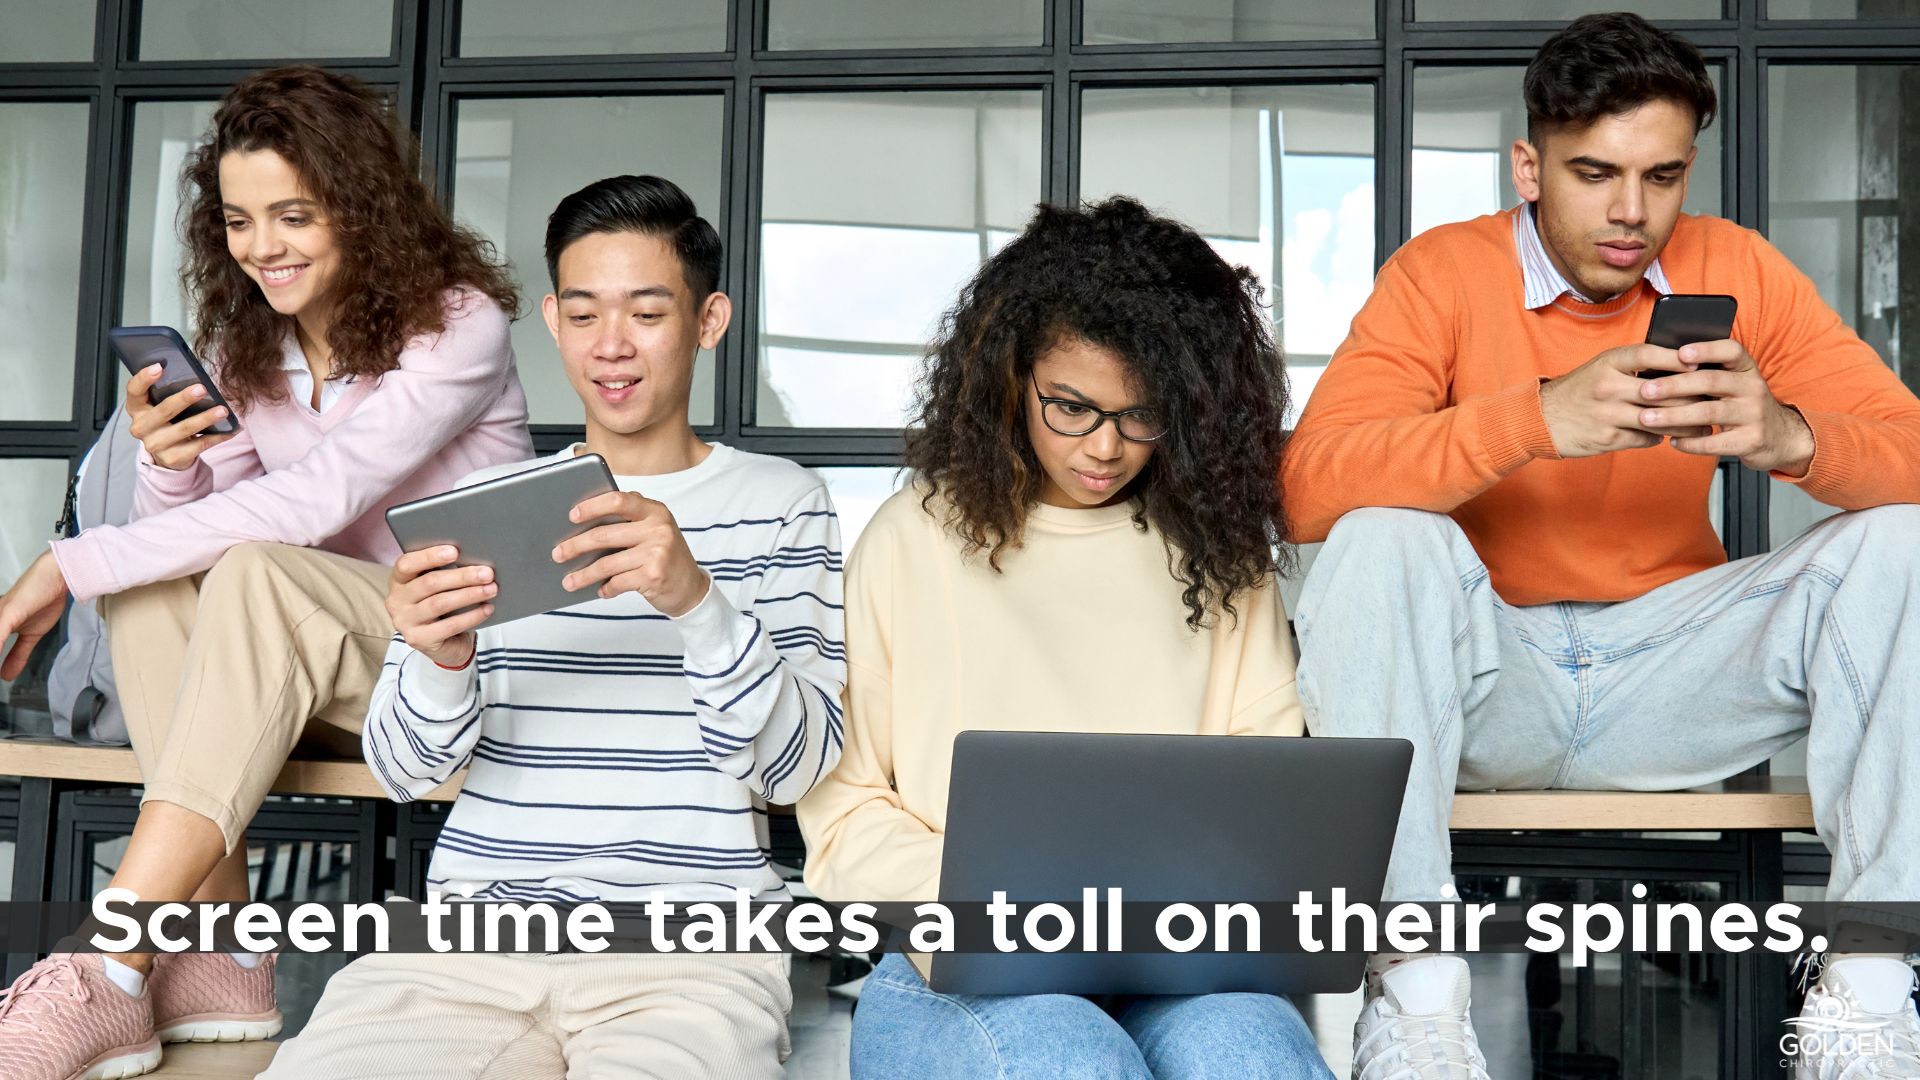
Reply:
x=1089, y=544
x=361, y=338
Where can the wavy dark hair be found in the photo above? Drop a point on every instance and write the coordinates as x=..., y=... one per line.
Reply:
x=399, y=251
x=1193, y=334
x=1610, y=63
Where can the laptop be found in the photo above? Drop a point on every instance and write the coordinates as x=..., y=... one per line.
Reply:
x=1198, y=818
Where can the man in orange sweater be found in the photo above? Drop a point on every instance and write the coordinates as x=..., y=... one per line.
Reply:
x=1520, y=575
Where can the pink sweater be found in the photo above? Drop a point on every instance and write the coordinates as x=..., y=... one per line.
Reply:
x=323, y=480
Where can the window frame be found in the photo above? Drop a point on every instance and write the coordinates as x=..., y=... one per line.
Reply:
x=427, y=76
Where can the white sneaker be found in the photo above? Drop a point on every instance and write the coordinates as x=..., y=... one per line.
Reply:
x=1417, y=1027
x=1859, y=1023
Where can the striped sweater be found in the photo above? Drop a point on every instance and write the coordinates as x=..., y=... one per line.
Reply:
x=615, y=753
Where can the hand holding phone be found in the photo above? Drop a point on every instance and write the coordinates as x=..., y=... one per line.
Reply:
x=174, y=432
x=1686, y=319
x=177, y=410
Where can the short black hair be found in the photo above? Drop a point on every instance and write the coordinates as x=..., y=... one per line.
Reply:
x=639, y=204
x=1607, y=64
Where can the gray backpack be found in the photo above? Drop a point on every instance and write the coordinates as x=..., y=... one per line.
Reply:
x=80, y=690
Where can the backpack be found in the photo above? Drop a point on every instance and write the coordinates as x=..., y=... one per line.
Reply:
x=80, y=690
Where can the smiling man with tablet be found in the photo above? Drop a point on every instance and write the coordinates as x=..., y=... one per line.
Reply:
x=624, y=748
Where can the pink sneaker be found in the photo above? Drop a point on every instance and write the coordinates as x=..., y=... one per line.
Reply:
x=208, y=997
x=65, y=1020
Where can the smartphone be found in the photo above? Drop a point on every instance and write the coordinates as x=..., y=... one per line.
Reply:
x=1688, y=319
x=141, y=347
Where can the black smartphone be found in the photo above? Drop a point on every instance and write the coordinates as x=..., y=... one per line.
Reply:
x=1688, y=319
x=141, y=347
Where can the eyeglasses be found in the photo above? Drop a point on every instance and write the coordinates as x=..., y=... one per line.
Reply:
x=1065, y=416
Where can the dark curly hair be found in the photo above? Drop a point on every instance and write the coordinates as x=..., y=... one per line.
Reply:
x=1192, y=332
x=1607, y=64
x=399, y=251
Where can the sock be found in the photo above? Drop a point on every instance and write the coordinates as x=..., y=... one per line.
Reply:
x=124, y=977
x=1378, y=963
x=246, y=960
x=1882, y=984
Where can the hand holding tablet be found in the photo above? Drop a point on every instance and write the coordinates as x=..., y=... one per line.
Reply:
x=643, y=551
x=483, y=555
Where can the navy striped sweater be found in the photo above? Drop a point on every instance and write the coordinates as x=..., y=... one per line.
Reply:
x=618, y=754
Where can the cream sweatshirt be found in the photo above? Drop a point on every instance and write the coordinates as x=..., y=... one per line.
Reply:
x=1083, y=630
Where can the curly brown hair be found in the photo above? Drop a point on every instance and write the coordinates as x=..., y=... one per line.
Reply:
x=399, y=251
x=1192, y=332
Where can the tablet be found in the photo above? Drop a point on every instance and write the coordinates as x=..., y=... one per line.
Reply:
x=513, y=524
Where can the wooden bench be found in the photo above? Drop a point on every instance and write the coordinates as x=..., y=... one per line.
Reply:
x=1741, y=803
x=214, y=1061
x=115, y=767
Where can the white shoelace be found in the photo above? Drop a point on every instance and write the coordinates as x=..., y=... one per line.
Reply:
x=1449, y=1041
x=55, y=978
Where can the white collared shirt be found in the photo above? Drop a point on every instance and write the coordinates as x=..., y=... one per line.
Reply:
x=293, y=361
x=1544, y=282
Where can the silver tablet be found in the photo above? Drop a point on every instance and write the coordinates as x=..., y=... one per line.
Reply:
x=513, y=524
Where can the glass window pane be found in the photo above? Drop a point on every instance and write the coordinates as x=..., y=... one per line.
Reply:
x=877, y=207
x=41, y=213
x=1279, y=178
x=1791, y=511
x=591, y=27
x=1141, y=22
x=1716, y=503
x=858, y=491
x=31, y=493
x=1465, y=120
x=904, y=24
x=516, y=158
x=1560, y=10
x=10, y=788
x=164, y=132
x=1836, y=137
x=43, y=33
x=257, y=30
x=1843, y=9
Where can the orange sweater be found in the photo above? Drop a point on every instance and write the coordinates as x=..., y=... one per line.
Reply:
x=1433, y=403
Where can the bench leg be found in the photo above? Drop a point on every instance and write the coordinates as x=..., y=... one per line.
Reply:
x=32, y=872
x=1758, y=1001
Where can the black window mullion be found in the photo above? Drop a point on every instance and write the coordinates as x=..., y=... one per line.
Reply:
x=102, y=266
x=1060, y=113
x=1393, y=133
x=434, y=104
x=1747, y=492
x=737, y=369
x=417, y=49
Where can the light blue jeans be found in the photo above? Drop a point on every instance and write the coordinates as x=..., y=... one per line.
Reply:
x=1402, y=636
x=904, y=1030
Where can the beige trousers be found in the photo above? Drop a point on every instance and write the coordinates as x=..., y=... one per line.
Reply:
x=497, y=1016
x=219, y=673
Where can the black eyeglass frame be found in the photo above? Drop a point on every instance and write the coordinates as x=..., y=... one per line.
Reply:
x=1102, y=416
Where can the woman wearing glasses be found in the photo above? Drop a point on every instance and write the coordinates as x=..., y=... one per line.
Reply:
x=1089, y=545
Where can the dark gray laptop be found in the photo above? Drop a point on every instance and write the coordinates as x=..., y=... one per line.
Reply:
x=1204, y=819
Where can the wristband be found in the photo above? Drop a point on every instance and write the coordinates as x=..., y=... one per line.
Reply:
x=462, y=665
